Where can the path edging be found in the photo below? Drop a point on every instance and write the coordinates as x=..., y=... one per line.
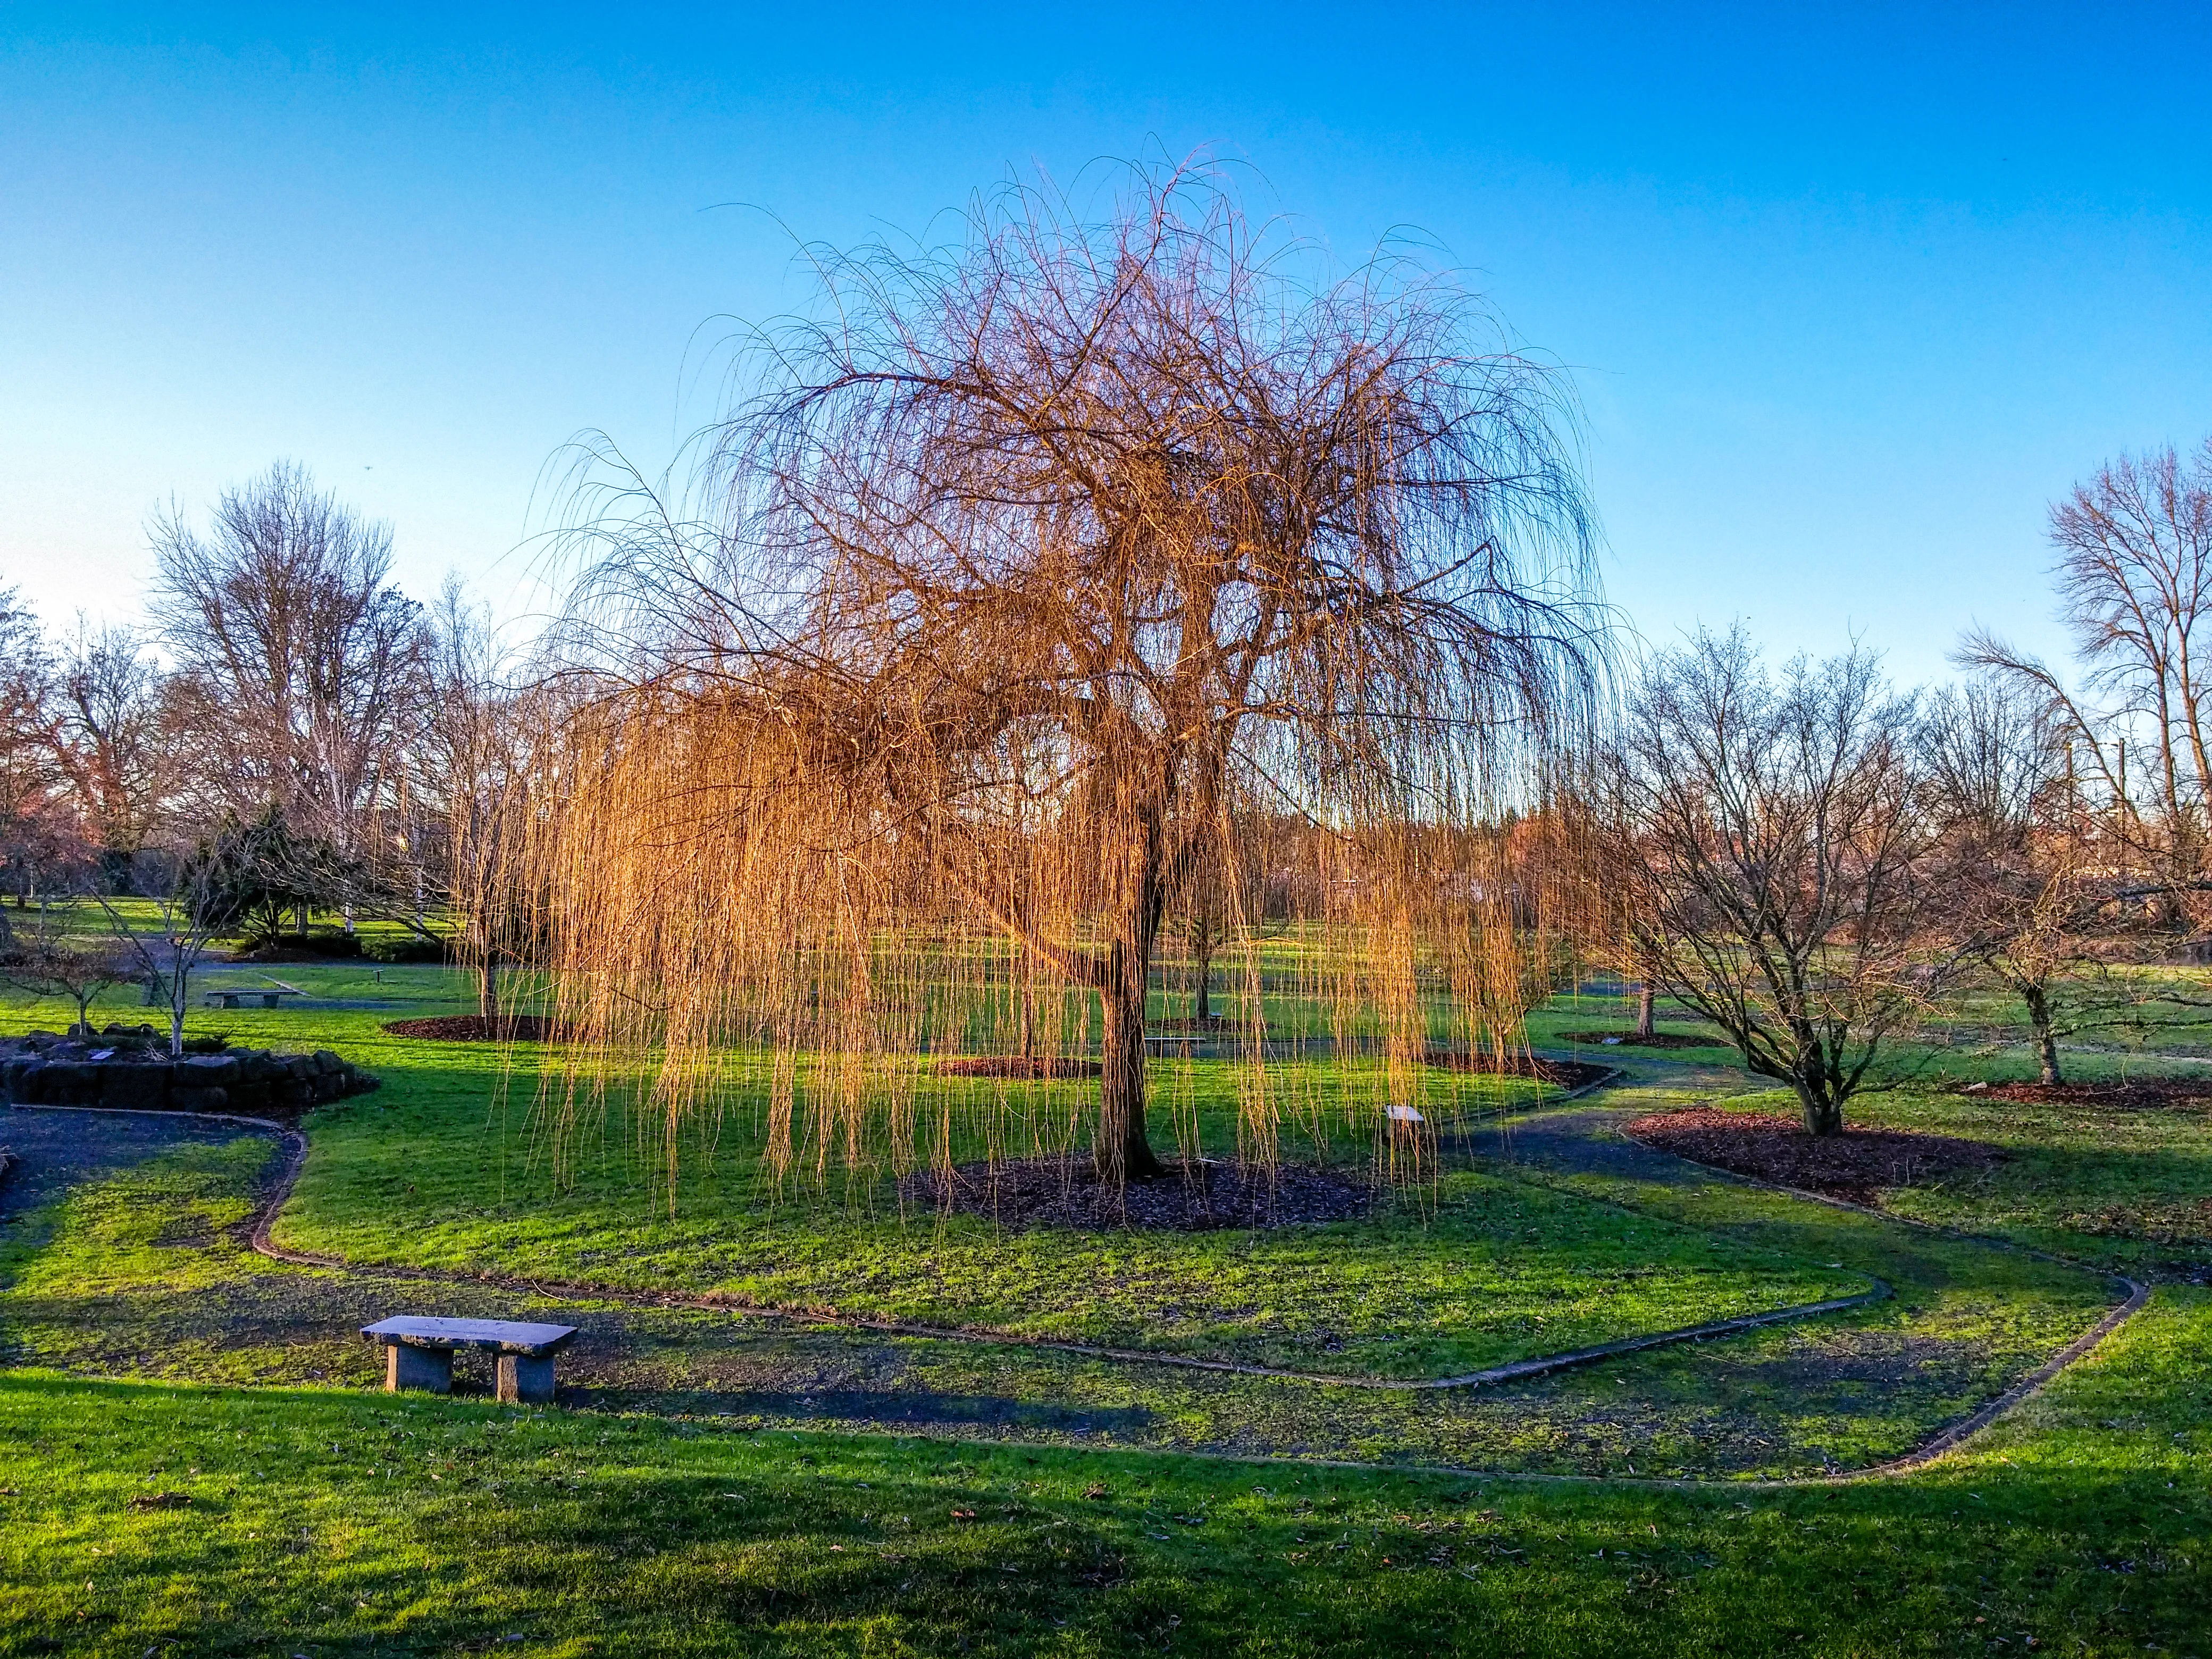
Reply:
x=1949, y=1439
x=296, y=1149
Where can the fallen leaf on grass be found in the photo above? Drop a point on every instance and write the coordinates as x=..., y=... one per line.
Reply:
x=161, y=1500
x=964, y=1515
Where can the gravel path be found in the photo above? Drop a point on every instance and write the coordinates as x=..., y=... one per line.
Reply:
x=56, y=1151
x=1580, y=1141
x=297, y=1322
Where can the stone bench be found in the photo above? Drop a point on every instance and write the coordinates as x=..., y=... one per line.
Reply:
x=419, y=1353
x=223, y=998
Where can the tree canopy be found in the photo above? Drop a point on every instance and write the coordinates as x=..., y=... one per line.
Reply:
x=1016, y=578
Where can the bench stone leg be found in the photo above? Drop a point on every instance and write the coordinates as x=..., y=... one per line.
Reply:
x=524, y=1380
x=406, y=1367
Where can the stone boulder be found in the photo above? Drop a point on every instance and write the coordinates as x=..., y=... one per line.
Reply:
x=131, y=1068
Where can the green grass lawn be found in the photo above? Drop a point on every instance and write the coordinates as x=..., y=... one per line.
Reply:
x=335, y=1523
x=443, y=1166
x=720, y=1484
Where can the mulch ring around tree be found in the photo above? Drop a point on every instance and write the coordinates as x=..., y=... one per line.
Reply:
x=1855, y=1165
x=1016, y=1066
x=2152, y=1094
x=475, y=1028
x=1630, y=1040
x=1568, y=1075
x=1202, y=1197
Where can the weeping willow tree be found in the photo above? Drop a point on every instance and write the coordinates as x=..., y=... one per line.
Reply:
x=1015, y=581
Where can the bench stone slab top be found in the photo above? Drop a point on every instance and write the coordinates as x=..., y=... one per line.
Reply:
x=501, y=1335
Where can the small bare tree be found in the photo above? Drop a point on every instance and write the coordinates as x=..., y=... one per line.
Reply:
x=1770, y=833
x=106, y=728
x=164, y=950
x=51, y=963
x=2021, y=886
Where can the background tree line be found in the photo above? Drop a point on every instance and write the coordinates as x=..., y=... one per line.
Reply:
x=1810, y=858
x=292, y=734
x=1090, y=583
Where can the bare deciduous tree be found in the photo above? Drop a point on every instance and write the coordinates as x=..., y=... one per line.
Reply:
x=297, y=657
x=166, y=948
x=2135, y=583
x=105, y=725
x=2019, y=887
x=473, y=758
x=52, y=963
x=1060, y=537
x=38, y=839
x=1770, y=833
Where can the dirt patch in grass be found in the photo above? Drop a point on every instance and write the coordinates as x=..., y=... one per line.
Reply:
x=1656, y=1040
x=1856, y=1165
x=475, y=1028
x=1016, y=1066
x=1199, y=1197
x=2194, y=1094
x=1560, y=1074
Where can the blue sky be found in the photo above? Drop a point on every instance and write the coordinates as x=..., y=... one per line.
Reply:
x=1848, y=294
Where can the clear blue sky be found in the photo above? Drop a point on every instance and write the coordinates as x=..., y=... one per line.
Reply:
x=1849, y=294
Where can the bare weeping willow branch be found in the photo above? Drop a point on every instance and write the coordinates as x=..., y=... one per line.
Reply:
x=1048, y=583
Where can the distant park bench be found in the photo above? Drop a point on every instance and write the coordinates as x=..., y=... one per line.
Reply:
x=419, y=1353
x=271, y=996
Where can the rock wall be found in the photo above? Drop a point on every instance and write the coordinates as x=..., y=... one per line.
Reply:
x=132, y=1067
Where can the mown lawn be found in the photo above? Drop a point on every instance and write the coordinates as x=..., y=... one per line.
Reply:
x=449, y=1165
x=330, y=1523
x=703, y=1490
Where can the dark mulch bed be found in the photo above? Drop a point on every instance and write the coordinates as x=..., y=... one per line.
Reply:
x=1064, y=1192
x=2153, y=1095
x=1656, y=1040
x=1016, y=1066
x=475, y=1028
x=1560, y=1074
x=1854, y=1165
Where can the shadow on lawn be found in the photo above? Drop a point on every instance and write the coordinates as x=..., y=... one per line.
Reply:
x=581, y=1529
x=194, y=1304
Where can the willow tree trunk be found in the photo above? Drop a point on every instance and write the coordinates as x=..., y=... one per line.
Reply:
x=2046, y=1039
x=1121, y=1151
x=488, y=991
x=1644, y=998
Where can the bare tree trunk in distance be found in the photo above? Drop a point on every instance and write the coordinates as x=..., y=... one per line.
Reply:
x=2046, y=1039
x=1644, y=1000
x=1205, y=937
